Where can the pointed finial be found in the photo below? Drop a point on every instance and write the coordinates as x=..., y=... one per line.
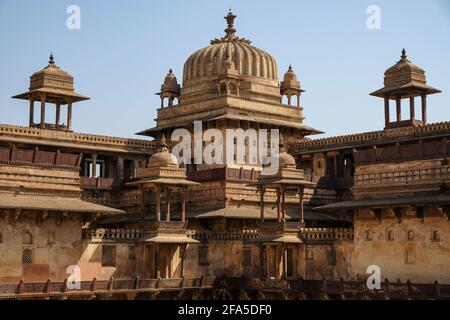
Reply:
x=290, y=67
x=403, y=54
x=170, y=71
x=162, y=144
x=230, y=31
x=51, y=61
x=281, y=144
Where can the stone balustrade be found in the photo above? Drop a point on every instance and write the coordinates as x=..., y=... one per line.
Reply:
x=325, y=234
x=112, y=234
x=237, y=288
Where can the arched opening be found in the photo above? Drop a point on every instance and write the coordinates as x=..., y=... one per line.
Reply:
x=390, y=235
x=223, y=88
x=435, y=235
x=51, y=238
x=27, y=237
x=233, y=89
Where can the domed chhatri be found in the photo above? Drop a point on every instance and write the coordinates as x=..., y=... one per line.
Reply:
x=162, y=158
x=290, y=86
x=404, y=80
x=51, y=85
x=252, y=64
x=170, y=89
x=54, y=81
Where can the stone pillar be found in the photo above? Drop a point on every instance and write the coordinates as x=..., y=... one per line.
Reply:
x=135, y=167
x=412, y=109
x=94, y=165
x=120, y=167
x=283, y=206
x=261, y=203
x=399, y=109
x=278, y=205
x=300, y=205
x=168, y=195
x=386, y=112
x=42, y=125
x=142, y=190
x=183, y=248
x=424, y=109
x=31, y=111
x=157, y=261
x=285, y=256
x=158, y=203
x=183, y=205
x=261, y=260
x=289, y=99
x=58, y=113
x=69, y=116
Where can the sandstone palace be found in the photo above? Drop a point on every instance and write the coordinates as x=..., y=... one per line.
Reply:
x=130, y=221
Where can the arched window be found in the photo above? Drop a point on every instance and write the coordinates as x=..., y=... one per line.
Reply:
x=410, y=235
x=27, y=237
x=51, y=238
x=233, y=88
x=435, y=235
x=1, y=238
x=223, y=88
x=27, y=256
x=390, y=235
x=368, y=235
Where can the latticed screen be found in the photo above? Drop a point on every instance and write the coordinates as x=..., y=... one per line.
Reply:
x=27, y=256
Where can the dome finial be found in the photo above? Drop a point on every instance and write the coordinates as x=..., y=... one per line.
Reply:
x=51, y=61
x=290, y=67
x=162, y=144
x=281, y=144
x=230, y=31
x=403, y=56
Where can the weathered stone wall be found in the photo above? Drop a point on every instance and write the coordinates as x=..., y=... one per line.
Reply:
x=54, y=248
x=330, y=260
x=405, y=250
x=50, y=258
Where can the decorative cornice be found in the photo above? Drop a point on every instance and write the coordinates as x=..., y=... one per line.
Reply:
x=370, y=137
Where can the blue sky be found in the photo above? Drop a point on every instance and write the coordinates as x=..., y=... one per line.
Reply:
x=123, y=50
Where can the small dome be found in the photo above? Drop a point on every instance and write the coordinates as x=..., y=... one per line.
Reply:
x=285, y=160
x=290, y=75
x=290, y=84
x=170, y=83
x=163, y=158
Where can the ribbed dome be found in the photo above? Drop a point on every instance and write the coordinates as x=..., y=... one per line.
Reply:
x=162, y=158
x=248, y=60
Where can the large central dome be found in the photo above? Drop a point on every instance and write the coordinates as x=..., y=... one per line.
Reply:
x=252, y=64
